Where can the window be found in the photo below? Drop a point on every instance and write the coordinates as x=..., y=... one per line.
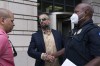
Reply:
x=69, y=8
x=70, y=2
x=59, y=1
x=58, y=8
x=57, y=5
x=46, y=7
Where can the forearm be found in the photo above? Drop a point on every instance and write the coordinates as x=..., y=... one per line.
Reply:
x=94, y=62
x=59, y=53
x=34, y=54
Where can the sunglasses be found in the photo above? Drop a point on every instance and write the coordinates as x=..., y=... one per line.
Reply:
x=41, y=20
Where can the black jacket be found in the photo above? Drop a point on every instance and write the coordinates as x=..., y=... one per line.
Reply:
x=84, y=44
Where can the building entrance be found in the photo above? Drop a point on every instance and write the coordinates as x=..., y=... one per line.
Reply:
x=61, y=22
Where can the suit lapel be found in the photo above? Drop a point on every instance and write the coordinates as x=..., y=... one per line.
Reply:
x=41, y=40
x=55, y=38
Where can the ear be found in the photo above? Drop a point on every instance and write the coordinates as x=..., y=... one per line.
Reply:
x=87, y=12
x=2, y=20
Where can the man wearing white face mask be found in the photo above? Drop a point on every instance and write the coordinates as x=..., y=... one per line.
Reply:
x=83, y=47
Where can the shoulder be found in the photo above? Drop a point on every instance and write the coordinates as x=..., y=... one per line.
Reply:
x=3, y=39
x=55, y=31
x=94, y=31
x=37, y=33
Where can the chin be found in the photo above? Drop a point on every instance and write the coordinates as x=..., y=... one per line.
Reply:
x=9, y=31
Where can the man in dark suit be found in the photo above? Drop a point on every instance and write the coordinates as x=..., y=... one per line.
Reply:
x=46, y=44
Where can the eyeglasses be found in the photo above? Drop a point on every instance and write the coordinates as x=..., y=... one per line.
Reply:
x=41, y=20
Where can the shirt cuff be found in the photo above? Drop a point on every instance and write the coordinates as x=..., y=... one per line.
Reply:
x=43, y=56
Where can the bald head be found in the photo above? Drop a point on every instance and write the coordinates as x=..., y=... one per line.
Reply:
x=84, y=12
x=6, y=20
x=5, y=13
x=86, y=8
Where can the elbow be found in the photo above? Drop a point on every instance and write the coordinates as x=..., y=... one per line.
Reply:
x=29, y=52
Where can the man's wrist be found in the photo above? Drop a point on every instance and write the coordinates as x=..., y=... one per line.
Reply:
x=43, y=56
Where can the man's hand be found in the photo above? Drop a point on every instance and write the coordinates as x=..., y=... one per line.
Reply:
x=47, y=57
x=50, y=58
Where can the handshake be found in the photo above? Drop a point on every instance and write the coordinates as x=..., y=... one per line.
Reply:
x=48, y=57
x=51, y=57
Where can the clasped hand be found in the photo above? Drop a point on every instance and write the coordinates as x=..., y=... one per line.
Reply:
x=49, y=57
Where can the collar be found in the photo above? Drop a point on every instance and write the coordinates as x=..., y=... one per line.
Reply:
x=48, y=32
x=85, y=23
x=2, y=32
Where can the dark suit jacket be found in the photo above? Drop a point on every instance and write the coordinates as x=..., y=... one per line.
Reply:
x=37, y=46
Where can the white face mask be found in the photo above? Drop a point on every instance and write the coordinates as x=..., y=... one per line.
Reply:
x=74, y=18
